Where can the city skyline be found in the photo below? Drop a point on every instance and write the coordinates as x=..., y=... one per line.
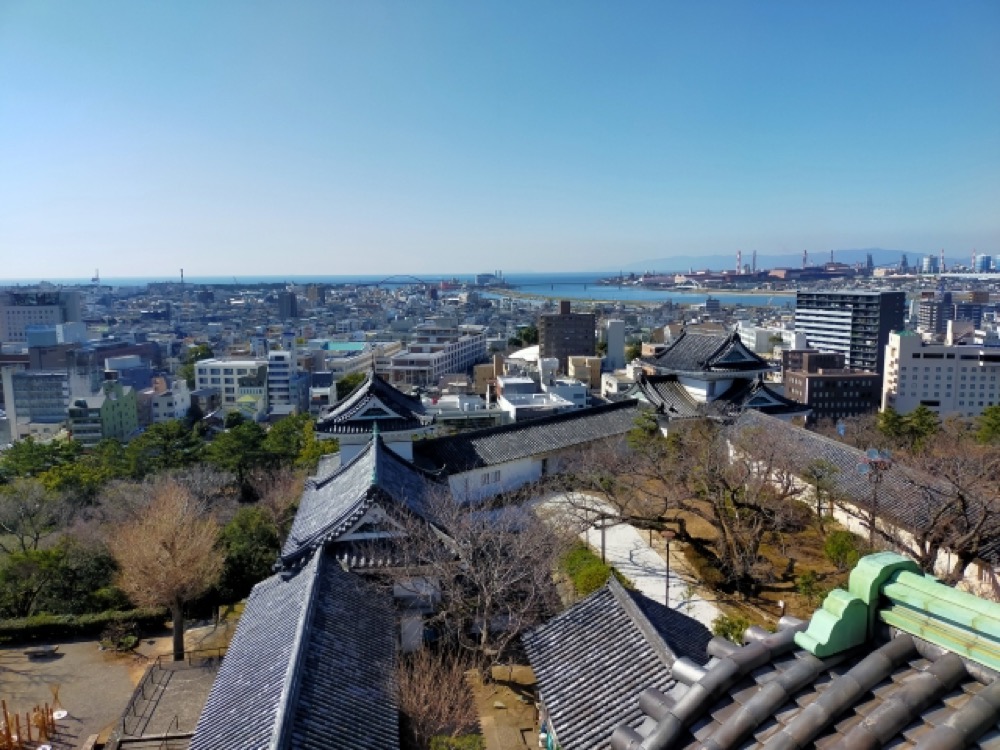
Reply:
x=337, y=138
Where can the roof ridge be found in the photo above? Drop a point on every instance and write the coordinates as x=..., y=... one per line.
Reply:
x=551, y=419
x=284, y=716
x=636, y=615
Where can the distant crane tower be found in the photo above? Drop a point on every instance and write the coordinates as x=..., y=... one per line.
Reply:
x=739, y=262
x=805, y=258
x=753, y=263
x=96, y=278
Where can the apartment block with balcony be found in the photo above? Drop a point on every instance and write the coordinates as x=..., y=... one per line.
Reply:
x=36, y=402
x=857, y=324
x=437, y=347
x=111, y=414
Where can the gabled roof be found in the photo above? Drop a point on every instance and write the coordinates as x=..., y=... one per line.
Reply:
x=310, y=666
x=594, y=659
x=756, y=395
x=497, y=445
x=331, y=504
x=707, y=352
x=673, y=400
x=374, y=402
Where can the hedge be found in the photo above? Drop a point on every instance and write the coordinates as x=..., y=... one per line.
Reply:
x=55, y=627
x=587, y=572
x=464, y=742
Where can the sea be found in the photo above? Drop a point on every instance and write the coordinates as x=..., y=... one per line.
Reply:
x=579, y=286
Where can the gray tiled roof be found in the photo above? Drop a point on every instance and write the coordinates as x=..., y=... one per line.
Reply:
x=704, y=352
x=900, y=497
x=594, y=659
x=891, y=693
x=310, y=666
x=672, y=399
x=349, y=415
x=497, y=445
x=331, y=504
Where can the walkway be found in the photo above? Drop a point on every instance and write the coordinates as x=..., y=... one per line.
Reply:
x=627, y=549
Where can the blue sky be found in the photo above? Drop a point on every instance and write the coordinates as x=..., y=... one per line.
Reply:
x=236, y=138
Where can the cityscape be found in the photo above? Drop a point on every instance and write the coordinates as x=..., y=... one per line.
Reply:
x=488, y=377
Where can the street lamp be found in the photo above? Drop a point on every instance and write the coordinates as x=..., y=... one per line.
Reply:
x=873, y=465
x=667, y=536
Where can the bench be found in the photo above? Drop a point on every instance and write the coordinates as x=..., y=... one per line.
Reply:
x=38, y=652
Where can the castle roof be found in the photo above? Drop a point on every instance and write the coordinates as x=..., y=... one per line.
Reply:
x=374, y=402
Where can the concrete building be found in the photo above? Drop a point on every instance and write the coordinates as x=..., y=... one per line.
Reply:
x=947, y=378
x=281, y=376
x=36, y=402
x=436, y=348
x=566, y=333
x=111, y=414
x=855, y=323
x=163, y=401
x=288, y=306
x=224, y=375
x=614, y=332
x=20, y=310
x=829, y=389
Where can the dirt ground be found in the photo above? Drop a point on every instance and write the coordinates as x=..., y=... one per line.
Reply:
x=506, y=707
x=92, y=685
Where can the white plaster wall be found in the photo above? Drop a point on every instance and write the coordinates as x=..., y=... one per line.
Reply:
x=468, y=486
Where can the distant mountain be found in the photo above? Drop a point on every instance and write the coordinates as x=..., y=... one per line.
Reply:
x=880, y=256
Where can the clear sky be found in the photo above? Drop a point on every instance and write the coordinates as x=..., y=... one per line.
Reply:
x=238, y=138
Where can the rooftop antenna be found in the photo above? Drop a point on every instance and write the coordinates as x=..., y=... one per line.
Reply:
x=182, y=275
x=805, y=258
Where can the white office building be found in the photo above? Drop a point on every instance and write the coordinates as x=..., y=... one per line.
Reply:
x=948, y=378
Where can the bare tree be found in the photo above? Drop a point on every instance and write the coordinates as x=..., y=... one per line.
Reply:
x=486, y=572
x=29, y=514
x=434, y=695
x=168, y=556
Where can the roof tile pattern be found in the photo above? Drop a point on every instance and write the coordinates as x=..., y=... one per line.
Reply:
x=707, y=352
x=498, y=445
x=331, y=504
x=306, y=668
x=593, y=660
x=355, y=414
x=895, y=698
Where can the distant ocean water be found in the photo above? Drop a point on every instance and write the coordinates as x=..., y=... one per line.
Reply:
x=574, y=286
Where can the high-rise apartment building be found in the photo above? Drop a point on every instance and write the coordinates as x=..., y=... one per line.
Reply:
x=288, y=306
x=565, y=334
x=855, y=323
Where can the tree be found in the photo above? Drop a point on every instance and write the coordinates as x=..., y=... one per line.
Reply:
x=194, y=354
x=821, y=476
x=240, y=451
x=29, y=458
x=233, y=419
x=168, y=556
x=434, y=696
x=23, y=578
x=921, y=425
x=988, y=425
x=164, y=446
x=29, y=515
x=528, y=335
x=348, y=383
x=251, y=544
x=633, y=351
x=492, y=568
x=892, y=424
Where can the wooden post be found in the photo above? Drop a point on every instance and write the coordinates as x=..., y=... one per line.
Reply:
x=17, y=728
x=27, y=724
x=6, y=724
